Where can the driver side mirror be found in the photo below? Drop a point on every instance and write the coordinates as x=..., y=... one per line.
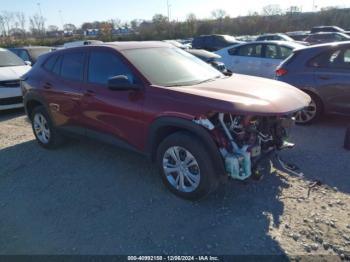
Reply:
x=122, y=83
x=28, y=63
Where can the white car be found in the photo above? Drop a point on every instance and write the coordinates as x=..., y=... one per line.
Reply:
x=11, y=69
x=258, y=58
x=82, y=43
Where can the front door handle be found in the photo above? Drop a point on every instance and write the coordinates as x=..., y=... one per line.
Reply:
x=324, y=77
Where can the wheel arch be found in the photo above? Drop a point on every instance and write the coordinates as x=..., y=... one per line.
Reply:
x=165, y=126
x=314, y=94
x=30, y=102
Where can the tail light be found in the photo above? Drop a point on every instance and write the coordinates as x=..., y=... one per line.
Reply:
x=281, y=72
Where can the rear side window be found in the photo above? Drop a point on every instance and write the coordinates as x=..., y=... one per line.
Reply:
x=338, y=59
x=250, y=50
x=277, y=52
x=72, y=67
x=272, y=51
x=104, y=65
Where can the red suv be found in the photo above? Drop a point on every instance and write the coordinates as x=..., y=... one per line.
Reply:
x=197, y=124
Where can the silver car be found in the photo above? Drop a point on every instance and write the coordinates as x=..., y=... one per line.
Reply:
x=258, y=58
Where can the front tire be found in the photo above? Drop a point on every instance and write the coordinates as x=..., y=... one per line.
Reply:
x=186, y=166
x=311, y=113
x=45, y=133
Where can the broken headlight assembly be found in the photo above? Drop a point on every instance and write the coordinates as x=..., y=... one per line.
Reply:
x=247, y=143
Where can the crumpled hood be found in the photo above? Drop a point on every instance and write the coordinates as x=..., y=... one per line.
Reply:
x=13, y=72
x=242, y=93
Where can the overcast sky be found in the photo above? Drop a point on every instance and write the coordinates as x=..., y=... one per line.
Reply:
x=79, y=11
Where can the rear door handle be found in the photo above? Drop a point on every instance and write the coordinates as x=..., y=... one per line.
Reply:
x=89, y=92
x=47, y=86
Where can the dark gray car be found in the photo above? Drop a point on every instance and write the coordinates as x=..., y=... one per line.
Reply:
x=322, y=71
x=326, y=37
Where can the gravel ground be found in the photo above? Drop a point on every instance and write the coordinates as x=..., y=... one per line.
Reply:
x=89, y=198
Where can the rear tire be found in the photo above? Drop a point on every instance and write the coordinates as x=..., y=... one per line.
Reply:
x=310, y=114
x=45, y=132
x=186, y=167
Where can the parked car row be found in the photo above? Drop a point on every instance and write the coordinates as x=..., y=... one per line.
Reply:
x=183, y=108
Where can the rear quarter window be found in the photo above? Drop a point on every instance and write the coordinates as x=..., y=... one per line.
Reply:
x=290, y=58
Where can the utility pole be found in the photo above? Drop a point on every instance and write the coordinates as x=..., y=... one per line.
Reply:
x=314, y=6
x=168, y=9
x=39, y=8
x=41, y=18
x=61, y=17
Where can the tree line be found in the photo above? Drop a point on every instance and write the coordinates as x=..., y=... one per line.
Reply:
x=18, y=29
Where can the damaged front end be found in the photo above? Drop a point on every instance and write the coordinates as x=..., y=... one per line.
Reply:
x=247, y=143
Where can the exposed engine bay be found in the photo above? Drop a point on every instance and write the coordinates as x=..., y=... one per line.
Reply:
x=246, y=142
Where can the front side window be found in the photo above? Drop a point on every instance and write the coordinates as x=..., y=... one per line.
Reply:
x=72, y=67
x=104, y=65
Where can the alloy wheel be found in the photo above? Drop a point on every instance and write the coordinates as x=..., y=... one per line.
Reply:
x=307, y=114
x=41, y=128
x=181, y=169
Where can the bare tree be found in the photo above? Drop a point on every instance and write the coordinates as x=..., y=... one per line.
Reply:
x=293, y=10
x=21, y=20
x=69, y=27
x=219, y=14
x=19, y=24
x=52, y=28
x=7, y=22
x=191, y=21
x=116, y=23
x=270, y=10
x=37, y=24
x=135, y=23
x=2, y=26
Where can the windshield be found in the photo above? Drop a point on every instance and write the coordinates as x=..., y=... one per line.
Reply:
x=38, y=52
x=171, y=66
x=8, y=58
